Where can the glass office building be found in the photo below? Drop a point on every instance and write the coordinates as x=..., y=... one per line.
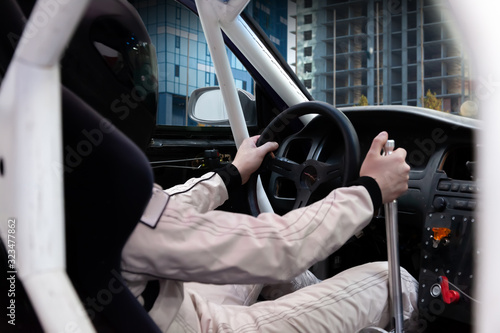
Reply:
x=272, y=16
x=184, y=61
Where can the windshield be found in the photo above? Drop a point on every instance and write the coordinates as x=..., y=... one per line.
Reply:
x=345, y=53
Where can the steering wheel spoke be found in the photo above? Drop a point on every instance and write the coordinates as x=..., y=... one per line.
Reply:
x=316, y=143
x=329, y=171
x=284, y=167
x=303, y=195
x=321, y=159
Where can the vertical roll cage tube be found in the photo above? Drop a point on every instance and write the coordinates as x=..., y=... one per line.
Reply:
x=213, y=14
x=31, y=179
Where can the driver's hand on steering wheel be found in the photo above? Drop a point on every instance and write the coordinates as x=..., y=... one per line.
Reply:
x=249, y=157
x=391, y=172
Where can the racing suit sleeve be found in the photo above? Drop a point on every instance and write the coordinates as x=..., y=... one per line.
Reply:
x=201, y=195
x=192, y=242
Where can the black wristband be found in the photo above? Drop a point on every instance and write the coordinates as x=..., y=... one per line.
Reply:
x=231, y=176
x=373, y=189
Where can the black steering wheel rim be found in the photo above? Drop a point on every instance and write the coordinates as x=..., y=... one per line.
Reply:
x=323, y=171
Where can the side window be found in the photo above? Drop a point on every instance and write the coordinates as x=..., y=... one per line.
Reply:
x=184, y=61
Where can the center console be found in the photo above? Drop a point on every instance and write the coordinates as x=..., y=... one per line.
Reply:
x=447, y=257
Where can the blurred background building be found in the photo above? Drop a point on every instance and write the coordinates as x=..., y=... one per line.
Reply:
x=390, y=51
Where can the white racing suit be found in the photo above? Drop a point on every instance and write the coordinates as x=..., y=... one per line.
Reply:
x=191, y=241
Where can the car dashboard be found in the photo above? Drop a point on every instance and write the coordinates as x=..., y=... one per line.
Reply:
x=437, y=215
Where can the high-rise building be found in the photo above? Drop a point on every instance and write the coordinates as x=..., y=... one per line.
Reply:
x=390, y=51
x=184, y=61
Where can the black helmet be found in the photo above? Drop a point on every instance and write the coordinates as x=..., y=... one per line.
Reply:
x=111, y=64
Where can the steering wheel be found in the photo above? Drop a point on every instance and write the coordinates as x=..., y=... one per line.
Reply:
x=309, y=163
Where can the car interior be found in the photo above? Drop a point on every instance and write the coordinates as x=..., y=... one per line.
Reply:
x=110, y=98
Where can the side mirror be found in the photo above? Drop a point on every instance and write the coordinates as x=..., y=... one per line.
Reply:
x=206, y=106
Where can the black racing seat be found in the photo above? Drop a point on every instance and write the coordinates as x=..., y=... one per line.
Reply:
x=105, y=195
x=107, y=177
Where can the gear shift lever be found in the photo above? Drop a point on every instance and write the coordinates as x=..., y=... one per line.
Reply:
x=391, y=225
x=395, y=293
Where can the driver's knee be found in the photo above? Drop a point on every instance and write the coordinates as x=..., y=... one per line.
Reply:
x=409, y=286
x=370, y=283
